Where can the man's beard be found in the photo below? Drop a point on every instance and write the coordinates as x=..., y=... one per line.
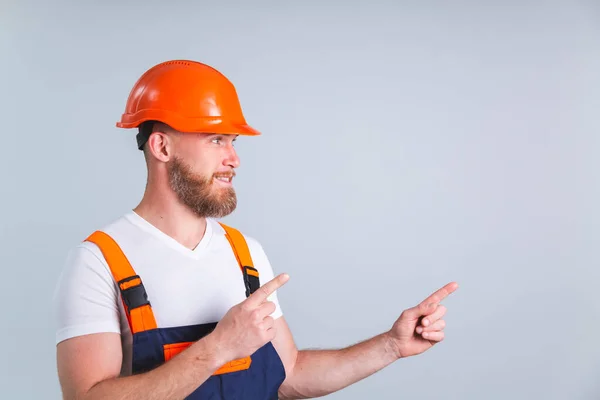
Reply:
x=200, y=194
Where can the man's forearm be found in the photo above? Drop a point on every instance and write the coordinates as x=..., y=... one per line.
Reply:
x=321, y=372
x=175, y=379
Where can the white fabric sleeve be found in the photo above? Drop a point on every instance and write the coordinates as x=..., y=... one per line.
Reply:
x=86, y=297
x=265, y=271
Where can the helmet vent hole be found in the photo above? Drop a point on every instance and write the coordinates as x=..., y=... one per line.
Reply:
x=177, y=63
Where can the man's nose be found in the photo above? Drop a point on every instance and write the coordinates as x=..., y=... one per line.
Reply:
x=232, y=158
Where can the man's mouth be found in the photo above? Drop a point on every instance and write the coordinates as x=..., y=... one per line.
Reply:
x=225, y=178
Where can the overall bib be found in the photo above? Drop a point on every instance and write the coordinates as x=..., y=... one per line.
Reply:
x=256, y=377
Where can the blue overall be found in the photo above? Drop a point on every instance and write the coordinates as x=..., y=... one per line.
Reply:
x=152, y=345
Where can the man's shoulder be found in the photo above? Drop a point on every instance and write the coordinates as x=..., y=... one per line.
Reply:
x=112, y=227
x=116, y=225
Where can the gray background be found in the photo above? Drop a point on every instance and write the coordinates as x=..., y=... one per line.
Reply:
x=406, y=145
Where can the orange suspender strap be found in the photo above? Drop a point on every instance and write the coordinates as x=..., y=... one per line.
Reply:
x=242, y=254
x=251, y=281
x=133, y=294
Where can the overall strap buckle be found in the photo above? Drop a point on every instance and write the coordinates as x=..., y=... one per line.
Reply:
x=134, y=295
x=251, y=280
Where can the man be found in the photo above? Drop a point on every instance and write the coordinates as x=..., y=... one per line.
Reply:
x=167, y=303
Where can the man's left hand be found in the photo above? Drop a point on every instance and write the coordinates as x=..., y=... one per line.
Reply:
x=421, y=327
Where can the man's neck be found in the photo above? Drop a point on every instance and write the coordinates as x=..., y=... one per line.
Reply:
x=173, y=218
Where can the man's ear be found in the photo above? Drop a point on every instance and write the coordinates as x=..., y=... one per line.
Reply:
x=159, y=146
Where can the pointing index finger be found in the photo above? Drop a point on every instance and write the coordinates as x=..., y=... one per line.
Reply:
x=440, y=294
x=267, y=289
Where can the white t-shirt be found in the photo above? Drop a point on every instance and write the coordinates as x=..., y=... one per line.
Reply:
x=184, y=286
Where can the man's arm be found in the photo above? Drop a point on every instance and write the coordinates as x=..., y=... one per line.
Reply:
x=316, y=373
x=89, y=368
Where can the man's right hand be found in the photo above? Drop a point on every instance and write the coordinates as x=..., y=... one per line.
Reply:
x=248, y=326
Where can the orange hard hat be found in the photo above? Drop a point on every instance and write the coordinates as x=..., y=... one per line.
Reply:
x=188, y=96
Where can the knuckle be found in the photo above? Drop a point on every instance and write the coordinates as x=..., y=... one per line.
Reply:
x=255, y=315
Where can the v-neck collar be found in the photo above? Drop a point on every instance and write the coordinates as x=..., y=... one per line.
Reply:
x=197, y=252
